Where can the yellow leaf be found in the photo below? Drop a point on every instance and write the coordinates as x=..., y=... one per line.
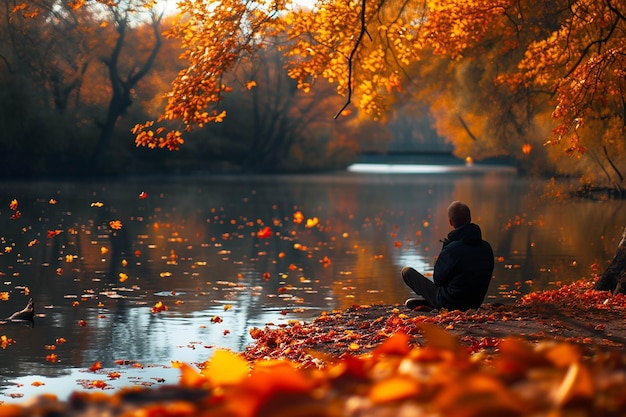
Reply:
x=312, y=222
x=226, y=368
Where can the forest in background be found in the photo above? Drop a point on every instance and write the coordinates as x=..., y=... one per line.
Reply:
x=256, y=86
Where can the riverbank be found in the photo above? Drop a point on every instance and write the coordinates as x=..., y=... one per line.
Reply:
x=551, y=353
x=573, y=313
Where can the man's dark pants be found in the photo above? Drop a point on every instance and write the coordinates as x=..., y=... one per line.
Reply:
x=420, y=284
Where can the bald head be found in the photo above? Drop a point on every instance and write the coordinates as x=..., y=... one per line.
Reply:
x=459, y=214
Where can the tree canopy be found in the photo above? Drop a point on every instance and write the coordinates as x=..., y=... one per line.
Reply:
x=538, y=82
x=502, y=77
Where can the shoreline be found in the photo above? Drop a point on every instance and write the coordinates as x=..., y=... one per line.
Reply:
x=550, y=350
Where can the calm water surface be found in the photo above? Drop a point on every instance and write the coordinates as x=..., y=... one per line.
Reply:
x=193, y=244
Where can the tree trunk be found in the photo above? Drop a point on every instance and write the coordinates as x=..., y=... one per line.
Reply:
x=614, y=278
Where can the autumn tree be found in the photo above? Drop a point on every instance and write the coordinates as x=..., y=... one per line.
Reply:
x=45, y=53
x=125, y=67
x=71, y=59
x=551, y=73
x=273, y=126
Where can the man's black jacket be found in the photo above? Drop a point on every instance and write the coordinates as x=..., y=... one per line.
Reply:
x=463, y=269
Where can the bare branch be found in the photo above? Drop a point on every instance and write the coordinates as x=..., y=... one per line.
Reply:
x=362, y=33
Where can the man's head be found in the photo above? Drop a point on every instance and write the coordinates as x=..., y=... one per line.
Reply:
x=458, y=214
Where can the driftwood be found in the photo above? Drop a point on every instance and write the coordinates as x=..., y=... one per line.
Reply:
x=614, y=278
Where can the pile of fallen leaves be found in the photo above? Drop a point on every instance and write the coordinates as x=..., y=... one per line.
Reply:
x=440, y=379
x=388, y=361
x=572, y=313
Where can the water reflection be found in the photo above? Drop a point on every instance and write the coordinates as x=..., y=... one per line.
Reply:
x=192, y=244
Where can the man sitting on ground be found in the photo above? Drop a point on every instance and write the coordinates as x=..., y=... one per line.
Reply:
x=462, y=271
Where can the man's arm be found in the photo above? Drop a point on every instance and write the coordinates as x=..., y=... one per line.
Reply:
x=442, y=273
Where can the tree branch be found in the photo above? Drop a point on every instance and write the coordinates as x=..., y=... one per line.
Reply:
x=8, y=64
x=466, y=128
x=362, y=33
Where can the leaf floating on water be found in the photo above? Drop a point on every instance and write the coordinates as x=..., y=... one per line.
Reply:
x=97, y=204
x=158, y=307
x=5, y=341
x=312, y=222
x=53, y=233
x=98, y=383
x=96, y=366
x=264, y=233
x=13, y=204
x=115, y=224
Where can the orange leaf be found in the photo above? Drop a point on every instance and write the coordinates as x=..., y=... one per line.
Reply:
x=393, y=389
x=158, y=307
x=115, y=224
x=191, y=378
x=98, y=383
x=264, y=233
x=438, y=338
x=578, y=383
